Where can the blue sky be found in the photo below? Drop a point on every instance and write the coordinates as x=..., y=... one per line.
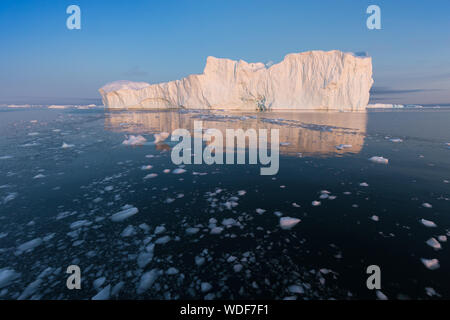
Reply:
x=41, y=61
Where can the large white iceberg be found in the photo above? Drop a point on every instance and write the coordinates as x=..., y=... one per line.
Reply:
x=331, y=80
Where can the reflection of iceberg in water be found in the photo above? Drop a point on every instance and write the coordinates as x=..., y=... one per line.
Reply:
x=309, y=133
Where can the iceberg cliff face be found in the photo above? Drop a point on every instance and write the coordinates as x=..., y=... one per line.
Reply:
x=321, y=80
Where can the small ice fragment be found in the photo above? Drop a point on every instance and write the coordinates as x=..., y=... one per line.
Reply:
x=396, y=140
x=67, y=146
x=237, y=267
x=29, y=246
x=160, y=137
x=241, y=192
x=147, y=280
x=199, y=261
x=162, y=240
x=323, y=196
x=144, y=259
x=432, y=242
x=315, y=203
x=128, y=231
x=166, y=171
x=79, y=224
x=104, y=294
x=295, y=205
x=363, y=184
x=428, y=223
x=99, y=282
x=431, y=264
x=296, y=289
x=134, y=140
x=431, y=292
x=375, y=218
x=205, y=286
x=150, y=176
x=380, y=160
x=427, y=205
x=148, y=167
x=5, y=157
x=39, y=176
x=192, y=230
x=287, y=223
x=216, y=230
x=228, y=222
x=172, y=271
x=7, y=276
x=160, y=229
x=442, y=238
x=381, y=295
x=178, y=171
x=124, y=214
x=260, y=211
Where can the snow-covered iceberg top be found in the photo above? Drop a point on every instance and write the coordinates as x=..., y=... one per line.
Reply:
x=331, y=80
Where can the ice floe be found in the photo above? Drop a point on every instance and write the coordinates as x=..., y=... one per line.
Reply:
x=431, y=264
x=134, y=140
x=378, y=159
x=287, y=223
x=7, y=276
x=29, y=246
x=428, y=223
x=432, y=242
x=124, y=214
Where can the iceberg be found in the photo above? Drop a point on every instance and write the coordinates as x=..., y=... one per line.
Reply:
x=316, y=80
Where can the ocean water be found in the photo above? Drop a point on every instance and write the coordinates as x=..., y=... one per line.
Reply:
x=213, y=231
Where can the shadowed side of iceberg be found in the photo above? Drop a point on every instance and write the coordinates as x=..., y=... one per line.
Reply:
x=315, y=80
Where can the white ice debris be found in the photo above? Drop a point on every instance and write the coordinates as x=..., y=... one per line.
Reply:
x=31, y=289
x=161, y=137
x=7, y=276
x=431, y=264
x=216, y=230
x=178, y=171
x=260, y=211
x=375, y=218
x=104, y=294
x=427, y=205
x=205, y=286
x=134, y=140
x=287, y=223
x=432, y=242
x=29, y=246
x=396, y=140
x=363, y=184
x=150, y=176
x=9, y=197
x=144, y=259
x=344, y=146
x=381, y=295
x=172, y=271
x=192, y=230
x=79, y=224
x=162, y=240
x=128, y=231
x=98, y=283
x=39, y=176
x=67, y=146
x=124, y=214
x=442, y=238
x=428, y=223
x=147, y=167
x=296, y=289
x=380, y=160
x=340, y=81
x=315, y=203
x=147, y=280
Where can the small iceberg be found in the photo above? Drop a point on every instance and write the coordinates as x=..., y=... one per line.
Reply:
x=287, y=223
x=428, y=223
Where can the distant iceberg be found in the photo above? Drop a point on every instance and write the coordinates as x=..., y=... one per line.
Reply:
x=316, y=80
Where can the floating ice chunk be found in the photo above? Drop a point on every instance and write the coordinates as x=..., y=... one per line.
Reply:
x=396, y=140
x=99, y=282
x=323, y=196
x=104, y=294
x=432, y=242
x=148, y=167
x=427, y=205
x=205, y=286
x=237, y=267
x=442, y=238
x=124, y=214
x=178, y=171
x=162, y=240
x=144, y=259
x=199, y=261
x=116, y=289
x=375, y=218
x=192, y=230
x=241, y=192
x=7, y=276
x=128, y=231
x=295, y=205
x=134, y=140
x=160, y=137
x=109, y=188
x=228, y=222
x=431, y=264
x=260, y=211
x=39, y=176
x=231, y=259
x=343, y=146
x=147, y=280
x=380, y=160
x=79, y=224
x=160, y=229
x=29, y=246
x=431, y=292
x=287, y=223
x=428, y=223
x=172, y=271
x=296, y=289
x=67, y=146
x=363, y=184
x=381, y=295
x=150, y=176
x=216, y=230
x=315, y=203
x=9, y=197
x=30, y=289
x=5, y=157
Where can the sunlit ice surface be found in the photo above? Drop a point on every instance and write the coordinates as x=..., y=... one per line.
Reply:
x=71, y=193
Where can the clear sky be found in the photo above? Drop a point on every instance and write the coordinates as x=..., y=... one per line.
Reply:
x=41, y=61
